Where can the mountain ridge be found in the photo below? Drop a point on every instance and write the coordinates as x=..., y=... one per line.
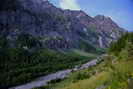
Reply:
x=41, y=19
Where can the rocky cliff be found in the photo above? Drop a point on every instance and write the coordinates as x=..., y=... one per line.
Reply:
x=56, y=28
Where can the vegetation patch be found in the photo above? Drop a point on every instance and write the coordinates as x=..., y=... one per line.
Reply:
x=29, y=60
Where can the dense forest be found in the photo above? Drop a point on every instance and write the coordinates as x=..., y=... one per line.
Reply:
x=25, y=59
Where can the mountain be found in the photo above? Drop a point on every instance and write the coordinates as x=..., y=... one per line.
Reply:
x=56, y=28
x=29, y=29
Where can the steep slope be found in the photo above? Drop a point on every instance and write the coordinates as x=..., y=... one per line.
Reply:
x=105, y=29
x=55, y=28
x=108, y=29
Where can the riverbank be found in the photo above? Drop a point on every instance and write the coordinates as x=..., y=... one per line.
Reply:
x=42, y=81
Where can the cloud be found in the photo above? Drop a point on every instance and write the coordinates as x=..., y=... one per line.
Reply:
x=69, y=4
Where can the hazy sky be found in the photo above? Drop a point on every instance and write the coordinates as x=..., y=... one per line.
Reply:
x=121, y=11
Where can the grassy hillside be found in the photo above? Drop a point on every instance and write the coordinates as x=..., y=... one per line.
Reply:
x=115, y=75
x=115, y=72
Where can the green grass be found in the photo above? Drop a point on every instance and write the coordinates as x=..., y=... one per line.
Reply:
x=83, y=53
x=90, y=83
x=114, y=74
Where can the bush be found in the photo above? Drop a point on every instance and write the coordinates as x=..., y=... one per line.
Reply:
x=80, y=76
x=55, y=81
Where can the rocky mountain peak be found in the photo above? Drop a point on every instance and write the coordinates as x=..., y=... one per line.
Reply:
x=103, y=20
x=61, y=28
x=101, y=17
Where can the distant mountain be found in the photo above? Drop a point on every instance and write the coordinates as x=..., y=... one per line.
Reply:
x=56, y=28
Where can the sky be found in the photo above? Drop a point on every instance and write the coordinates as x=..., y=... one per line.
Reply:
x=121, y=11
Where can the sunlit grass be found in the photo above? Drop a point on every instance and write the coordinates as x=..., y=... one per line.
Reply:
x=90, y=83
x=114, y=75
x=84, y=53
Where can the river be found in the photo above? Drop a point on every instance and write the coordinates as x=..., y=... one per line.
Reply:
x=42, y=81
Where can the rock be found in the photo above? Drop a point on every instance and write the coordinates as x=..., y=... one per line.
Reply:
x=41, y=19
x=101, y=87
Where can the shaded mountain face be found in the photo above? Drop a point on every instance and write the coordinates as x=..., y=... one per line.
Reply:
x=55, y=28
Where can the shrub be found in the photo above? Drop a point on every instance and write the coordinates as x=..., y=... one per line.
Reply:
x=55, y=81
x=80, y=76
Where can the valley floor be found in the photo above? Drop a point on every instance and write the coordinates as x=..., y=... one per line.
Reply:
x=110, y=74
x=57, y=76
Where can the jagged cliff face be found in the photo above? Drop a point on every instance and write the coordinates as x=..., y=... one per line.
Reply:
x=55, y=28
x=109, y=31
x=106, y=29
